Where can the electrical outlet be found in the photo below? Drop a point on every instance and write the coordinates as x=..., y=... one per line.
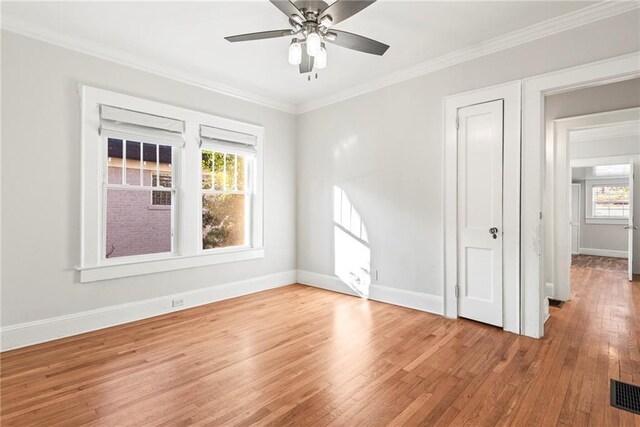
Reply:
x=374, y=275
x=177, y=302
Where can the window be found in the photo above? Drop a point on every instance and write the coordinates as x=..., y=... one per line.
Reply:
x=160, y=197
x=165, y=188
x=227, y=161
x=610, y=201
x=132, y=228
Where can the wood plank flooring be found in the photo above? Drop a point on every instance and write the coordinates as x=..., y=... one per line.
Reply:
x=303, y=356
x=599, y=262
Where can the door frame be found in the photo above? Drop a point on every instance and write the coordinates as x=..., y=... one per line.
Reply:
x=534, y=90
x=561, y=184
x=510, y=93
x=580, y=203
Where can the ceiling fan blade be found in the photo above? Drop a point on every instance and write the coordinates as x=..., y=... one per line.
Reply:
x=306, y=65
x=356, y=42
x=344, y=9
x=259, y=36
x=288, y=8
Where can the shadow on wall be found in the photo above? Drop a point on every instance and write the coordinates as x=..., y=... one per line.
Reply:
x=352, y=256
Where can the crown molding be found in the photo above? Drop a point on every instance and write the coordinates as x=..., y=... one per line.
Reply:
x=101, y=51
x=584, y=16
x=578, y=18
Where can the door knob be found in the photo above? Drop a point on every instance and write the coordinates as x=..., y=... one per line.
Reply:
x=494, y=232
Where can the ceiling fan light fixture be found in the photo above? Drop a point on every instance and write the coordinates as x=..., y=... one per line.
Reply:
x=321, y=58
x=295, y=52
x=330, y=36
x=313, y=44
x=326, y=21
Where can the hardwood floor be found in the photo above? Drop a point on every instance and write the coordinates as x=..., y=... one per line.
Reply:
x=599, y=262
x=303, y=356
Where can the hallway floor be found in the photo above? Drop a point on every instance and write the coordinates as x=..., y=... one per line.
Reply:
x=599, y=262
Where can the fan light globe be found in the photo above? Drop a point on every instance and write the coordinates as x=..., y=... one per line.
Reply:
x=321, y=58
x=295, y=53
x=313, y=44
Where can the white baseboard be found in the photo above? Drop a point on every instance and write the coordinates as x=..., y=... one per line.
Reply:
x=603, y=252
x=24, y=334
x=550, y=289
x=415, y=300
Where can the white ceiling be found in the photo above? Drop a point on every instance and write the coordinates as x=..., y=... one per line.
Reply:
x=187, y=37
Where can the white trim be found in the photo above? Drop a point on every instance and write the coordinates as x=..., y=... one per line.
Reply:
x=118, y=56
x=575, y=19
x=578, y=18
x=533, y=145
x=607, y=220
x=550, y=290
x=414, y=300
x=510, y=93
x=168, y=263
x=24, y=334
x=603, y=252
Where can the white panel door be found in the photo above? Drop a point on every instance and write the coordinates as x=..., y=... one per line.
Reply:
x=575, y=218
x=631, y=227
x=480, y=143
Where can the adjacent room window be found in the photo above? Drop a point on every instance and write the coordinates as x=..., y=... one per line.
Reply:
x=610, y=201
x=227, y=164
x=165, y=188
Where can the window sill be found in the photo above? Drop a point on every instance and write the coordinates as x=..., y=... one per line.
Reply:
x=610, y=221
x=138, y=267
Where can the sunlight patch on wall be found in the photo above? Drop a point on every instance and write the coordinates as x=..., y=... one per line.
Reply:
x=352, y=255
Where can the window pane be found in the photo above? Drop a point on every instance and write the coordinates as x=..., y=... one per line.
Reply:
x=149, y=164
x=114, y=161
x=207, y=169
x=610, y=200
x=218, y=171
x=161, y=198
x=223, y=220
x=134, y=227
x=230, y=171
x=166, y=163
x=241, y=168
x=133, y=163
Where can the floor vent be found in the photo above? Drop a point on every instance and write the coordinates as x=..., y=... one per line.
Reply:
x=555, y=303
x=625, y=396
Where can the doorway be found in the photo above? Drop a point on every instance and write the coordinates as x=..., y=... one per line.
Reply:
x=591, y=162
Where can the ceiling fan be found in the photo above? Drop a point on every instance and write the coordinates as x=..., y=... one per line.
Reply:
x=312, y=24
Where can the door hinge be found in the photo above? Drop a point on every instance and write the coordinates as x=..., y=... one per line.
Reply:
x=457, y=122
x=457, y=291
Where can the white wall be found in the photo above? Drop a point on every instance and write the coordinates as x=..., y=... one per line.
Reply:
x=384, y=149
x=608, y=237
x=620, y=146
x=41, y=183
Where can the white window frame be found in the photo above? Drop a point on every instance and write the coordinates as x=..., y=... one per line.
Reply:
x=187, y=252
x=590, y=218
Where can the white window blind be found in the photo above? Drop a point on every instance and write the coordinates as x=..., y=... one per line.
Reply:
x=127, y=124
x=226, y=141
